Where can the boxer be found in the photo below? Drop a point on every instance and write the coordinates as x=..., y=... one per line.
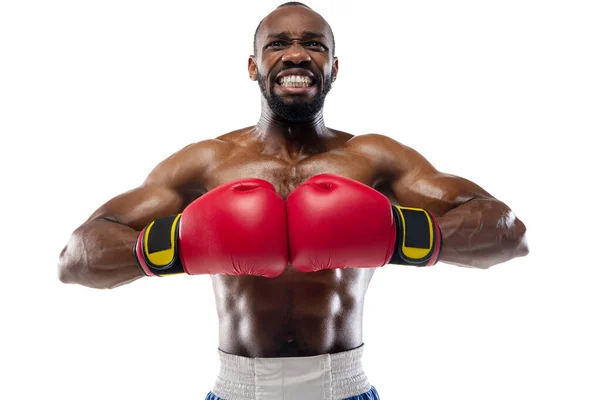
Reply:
x=290, y=219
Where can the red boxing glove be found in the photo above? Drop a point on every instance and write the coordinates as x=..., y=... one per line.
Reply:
x=337, y=222
x=238, y=228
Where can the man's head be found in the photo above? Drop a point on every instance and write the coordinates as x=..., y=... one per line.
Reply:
x=294, y=61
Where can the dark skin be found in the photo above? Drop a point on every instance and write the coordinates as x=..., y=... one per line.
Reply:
x=294, y=314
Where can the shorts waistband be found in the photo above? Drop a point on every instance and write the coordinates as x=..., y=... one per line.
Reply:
x=323, y=377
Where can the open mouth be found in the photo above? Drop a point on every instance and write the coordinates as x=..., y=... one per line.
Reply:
x=295, y=81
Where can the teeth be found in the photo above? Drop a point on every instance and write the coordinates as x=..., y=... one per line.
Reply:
x=295, y=81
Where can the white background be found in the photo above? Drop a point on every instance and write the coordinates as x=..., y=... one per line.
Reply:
x=93, y=94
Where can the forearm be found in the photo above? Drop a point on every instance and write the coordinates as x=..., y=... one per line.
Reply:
x=100, y=255
x=481, y=233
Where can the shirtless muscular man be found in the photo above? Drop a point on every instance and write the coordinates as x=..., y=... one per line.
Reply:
x=289, y=217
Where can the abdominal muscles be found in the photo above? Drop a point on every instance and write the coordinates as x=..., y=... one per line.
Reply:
x=293, y=315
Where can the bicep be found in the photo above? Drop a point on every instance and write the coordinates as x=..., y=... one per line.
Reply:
x=437, y=192
x=138, y=207
x=172, y=184
x=419, y=184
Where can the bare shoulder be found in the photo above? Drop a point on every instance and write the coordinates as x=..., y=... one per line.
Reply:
x=342, y=136
x=375, y=142
x=189, y=165
x=389, y=155
x=411, y=175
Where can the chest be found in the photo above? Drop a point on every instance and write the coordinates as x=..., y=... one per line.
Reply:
x=285, y=175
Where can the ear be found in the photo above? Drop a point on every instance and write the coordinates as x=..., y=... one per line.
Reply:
x=334, y=69
x=252, y=68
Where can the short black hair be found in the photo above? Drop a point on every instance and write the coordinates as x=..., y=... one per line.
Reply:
x=294, y=3
x=291, y=3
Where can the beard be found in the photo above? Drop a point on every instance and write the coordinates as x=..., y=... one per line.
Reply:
x=296, y=110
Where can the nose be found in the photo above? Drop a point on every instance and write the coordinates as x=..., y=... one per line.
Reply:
x=296, y=54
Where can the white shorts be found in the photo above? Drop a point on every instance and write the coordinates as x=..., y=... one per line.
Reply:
x=323, y=377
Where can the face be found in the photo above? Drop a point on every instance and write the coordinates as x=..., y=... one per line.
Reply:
x=294, y=64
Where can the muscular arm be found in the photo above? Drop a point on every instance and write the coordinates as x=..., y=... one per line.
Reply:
x=478, y=230
x=99, y=253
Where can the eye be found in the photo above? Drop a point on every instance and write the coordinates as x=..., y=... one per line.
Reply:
x=313, y=44
x=277, y=43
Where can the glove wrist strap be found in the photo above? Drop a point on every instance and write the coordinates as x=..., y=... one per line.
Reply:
x=156, y=248
x=418, y=237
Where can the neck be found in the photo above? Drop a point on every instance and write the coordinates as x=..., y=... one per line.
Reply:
x=292, y=138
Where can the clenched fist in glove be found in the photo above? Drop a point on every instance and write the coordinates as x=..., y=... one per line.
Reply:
x=238, y=228
x=337, y=222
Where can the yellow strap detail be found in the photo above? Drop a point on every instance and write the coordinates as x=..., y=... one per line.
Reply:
x=163, y=257
x=415, y=252
x=172, y=274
